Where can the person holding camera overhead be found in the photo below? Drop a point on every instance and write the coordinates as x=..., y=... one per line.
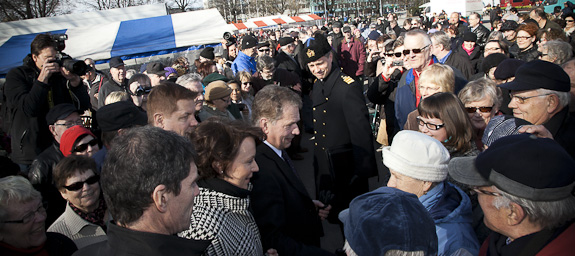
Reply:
x=32, y=89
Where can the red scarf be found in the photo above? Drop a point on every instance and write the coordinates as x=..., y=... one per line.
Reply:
x=468, y=51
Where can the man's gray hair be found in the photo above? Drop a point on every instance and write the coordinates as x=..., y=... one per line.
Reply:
x=418, y=32
x=558, y=50
x=475, y=14
x=547, y=214
x=441, y=38
x=264, y=62
x=13, y=190
x=564, y=97
x=189, y=78
x=271, y=101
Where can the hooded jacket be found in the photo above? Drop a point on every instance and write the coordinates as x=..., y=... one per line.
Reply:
x=450, y=208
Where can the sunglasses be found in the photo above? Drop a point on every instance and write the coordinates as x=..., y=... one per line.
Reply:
x=79, y=185
x=481, y=109
x=246, y=83
x=398, y=54
x=83, y=147
x=141, y=91
x=263, y=50
x=389, y=54
x=415, y=51
x=569, y=20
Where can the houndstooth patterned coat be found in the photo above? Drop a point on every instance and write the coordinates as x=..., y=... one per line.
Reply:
x=225, y=220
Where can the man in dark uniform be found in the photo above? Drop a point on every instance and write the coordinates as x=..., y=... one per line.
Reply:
x=344, y=151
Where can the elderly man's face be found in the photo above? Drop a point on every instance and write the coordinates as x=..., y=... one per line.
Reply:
x=180, y=207
x=530, y=106
x=419, y=60
x=264, y=51
x=474, y=20
x=197, y=87
x=495, y=219
x=336, y=30
x=250, y=51
x=60, y=126
x=510, y=35
x=28, y=234
x=321, y=67
x=118, y=74
x=569, y=68
x=454, y=18
x=406, y=183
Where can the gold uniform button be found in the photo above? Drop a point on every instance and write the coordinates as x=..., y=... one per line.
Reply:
x=315, y=143
x=314, y=132
x=323, y=124
x=314, y=121
x=323, y=135
x=324, y=111
x=326, y=98
x=322, y=148
x=313, y=109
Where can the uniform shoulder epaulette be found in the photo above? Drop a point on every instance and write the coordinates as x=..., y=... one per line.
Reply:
x=347, y=79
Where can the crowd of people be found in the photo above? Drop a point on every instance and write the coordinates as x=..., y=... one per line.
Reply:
x=475, y=127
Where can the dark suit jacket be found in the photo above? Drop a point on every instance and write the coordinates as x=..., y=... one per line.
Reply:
x=284, y=61
x=283, y=210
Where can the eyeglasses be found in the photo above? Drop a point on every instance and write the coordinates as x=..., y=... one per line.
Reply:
x=524, y=37
x=493, y=49
x=79, y=185
x=540, y=54
x=481, y=109
x=485, y=192
x=415, y=51
x=264, y=50
x=389, y=54
x=72, y=123
x=141, y=91
x=246, y=83
x=83, y=147
x=429, y=126
x=522, y=100
x=30, y=216
x=569, y=20
x=398, y=54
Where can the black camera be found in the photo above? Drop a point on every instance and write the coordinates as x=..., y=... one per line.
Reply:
x=142, y=90
x=230, y=39
x=77, y=67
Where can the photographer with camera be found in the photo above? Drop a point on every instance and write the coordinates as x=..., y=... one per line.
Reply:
x=32, y=89
x=388, y=69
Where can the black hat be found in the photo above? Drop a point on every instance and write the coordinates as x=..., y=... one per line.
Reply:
x=118, y=115
x=315, y=48
x=155, y=68
x=346, y=29
x=263, y=44
x=492, y=60
x=116, y=62
x=285, y=41
x=60, y=111
x=539, y=74
x=249, y=41
x=469, y=37
x=515, y=165
x=208, y=53
x=507, y=68
x=373, y=35
x=337, y=24
x=509, y=25
x=214, y=77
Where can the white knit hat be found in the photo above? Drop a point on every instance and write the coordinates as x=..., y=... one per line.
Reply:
x=418, y=156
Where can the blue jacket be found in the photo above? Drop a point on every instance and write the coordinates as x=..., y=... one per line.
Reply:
x=244, y=63
x=450, y=208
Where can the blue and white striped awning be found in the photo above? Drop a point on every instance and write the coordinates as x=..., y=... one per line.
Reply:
x=126, y=38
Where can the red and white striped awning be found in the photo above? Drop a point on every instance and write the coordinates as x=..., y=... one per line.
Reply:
x=270, y=21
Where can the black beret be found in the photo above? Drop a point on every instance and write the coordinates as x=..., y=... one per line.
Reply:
x=469, y=37
x=60, y=111
x=119, y=115
x=539, y=74
x=315, y=48
x=492, y=60
x=285, y=41
x=156, y=68
x=337, y=24
x=208, y=53
x=507, y=68
x=509, y=25
x=116, y=62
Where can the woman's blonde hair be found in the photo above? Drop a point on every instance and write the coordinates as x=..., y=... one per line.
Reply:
x=438, y=74
x=114, y=97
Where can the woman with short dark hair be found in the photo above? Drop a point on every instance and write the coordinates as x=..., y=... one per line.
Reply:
x=226, y=162
x=84, y=220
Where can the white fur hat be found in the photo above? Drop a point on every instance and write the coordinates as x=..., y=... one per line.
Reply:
x=418, y=156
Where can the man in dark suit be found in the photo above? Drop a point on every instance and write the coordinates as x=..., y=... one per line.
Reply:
x=285, y=58
x=288, y=219
x=344, y=144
